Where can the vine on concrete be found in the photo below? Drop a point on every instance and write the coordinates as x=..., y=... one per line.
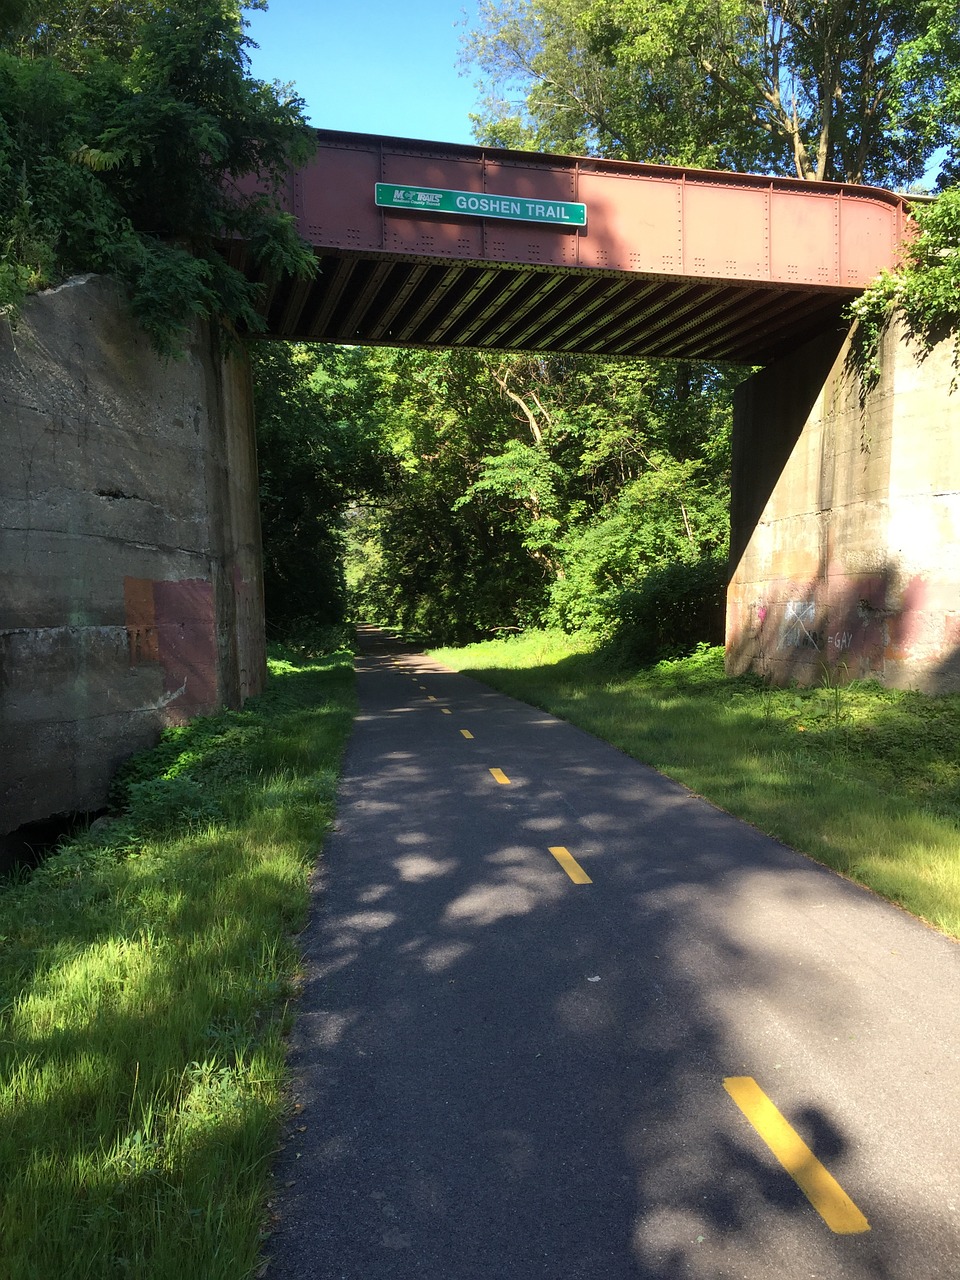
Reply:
x=925, y=291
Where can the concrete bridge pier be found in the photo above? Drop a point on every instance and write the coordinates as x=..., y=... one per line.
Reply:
x=845, y=521
x=130, y=568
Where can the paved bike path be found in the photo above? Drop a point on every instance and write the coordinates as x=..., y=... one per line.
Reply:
x=505, y=1073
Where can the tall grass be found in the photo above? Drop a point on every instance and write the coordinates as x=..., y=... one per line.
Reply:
x=144, y=974
x=863, y=778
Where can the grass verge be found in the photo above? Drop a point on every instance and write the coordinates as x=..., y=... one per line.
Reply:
x=863, y=778
x=144, y=974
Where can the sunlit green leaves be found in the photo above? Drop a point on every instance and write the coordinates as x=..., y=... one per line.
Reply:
x=531, y=487
x=320, y=449
x=925, y=291
x=805, y=87
x=124, y=131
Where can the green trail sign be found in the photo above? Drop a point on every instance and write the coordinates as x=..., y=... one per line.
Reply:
x=473, y=204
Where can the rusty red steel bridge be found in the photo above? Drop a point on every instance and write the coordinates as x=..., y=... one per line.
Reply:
x=425, y=244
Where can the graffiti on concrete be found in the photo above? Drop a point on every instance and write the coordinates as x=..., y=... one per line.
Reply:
x=173, y=624
x=169, y=697
x=800, y=621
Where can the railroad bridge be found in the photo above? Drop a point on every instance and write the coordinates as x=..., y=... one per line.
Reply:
x=845, y=532
x=130, y=538
x=428, y=245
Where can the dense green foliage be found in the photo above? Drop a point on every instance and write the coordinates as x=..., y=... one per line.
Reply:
x=430, y=554
x=319, y=441
x=528, y=489
x=826, y=89
x=124, y=132
x=479, y=492
x=674, y=607
x=926, y=88
x=863, y=778
x=144, y=982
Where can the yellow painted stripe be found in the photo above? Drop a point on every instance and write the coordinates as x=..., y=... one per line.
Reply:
x=446, y=711
x=570, y=865
x=500, y=776
x=431, y=698
x=820, y=1187
x=466, y=733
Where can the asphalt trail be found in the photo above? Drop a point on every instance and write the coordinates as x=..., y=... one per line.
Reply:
x=504, y=1073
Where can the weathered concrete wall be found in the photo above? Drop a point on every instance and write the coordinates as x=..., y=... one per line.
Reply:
x=130, y=575
x=846, y=520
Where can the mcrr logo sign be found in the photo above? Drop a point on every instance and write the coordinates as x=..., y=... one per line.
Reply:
x=417, y=196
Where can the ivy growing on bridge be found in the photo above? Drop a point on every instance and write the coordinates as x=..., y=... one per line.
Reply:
x=925, y=290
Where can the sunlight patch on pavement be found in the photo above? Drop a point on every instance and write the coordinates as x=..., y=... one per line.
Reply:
x=420, y=866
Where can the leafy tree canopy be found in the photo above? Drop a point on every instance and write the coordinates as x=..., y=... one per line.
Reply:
x=320, y=453
x=126, y=131
x=848, y=90
x=532, y=489
x=927, y=89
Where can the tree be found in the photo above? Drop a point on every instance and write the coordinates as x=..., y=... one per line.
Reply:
x=76, y=33
x=808, y=87
x=532, y=489
x=421, y=556
x=559, y=77
x=123, y=145
x=927, y=88
x=320, y=453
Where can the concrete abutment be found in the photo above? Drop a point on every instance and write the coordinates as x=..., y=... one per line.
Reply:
x=131, y=592
x=845, y=519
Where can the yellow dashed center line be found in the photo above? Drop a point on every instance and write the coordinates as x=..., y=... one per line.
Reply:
x=466, y=733
x=431, y=698
x=820, y=1187
x=500, y=776
x=446, y=711
x=570, y=865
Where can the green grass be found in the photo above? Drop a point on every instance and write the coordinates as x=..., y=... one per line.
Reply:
x=144, y=974
x=863, y=778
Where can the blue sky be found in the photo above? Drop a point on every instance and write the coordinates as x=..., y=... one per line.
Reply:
x=375, y=66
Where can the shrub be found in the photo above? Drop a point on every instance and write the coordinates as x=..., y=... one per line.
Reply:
x=161, y=806
x=670, y=611
x=128, y=160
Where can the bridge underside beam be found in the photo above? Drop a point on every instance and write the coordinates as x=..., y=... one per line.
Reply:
x=367, y=300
